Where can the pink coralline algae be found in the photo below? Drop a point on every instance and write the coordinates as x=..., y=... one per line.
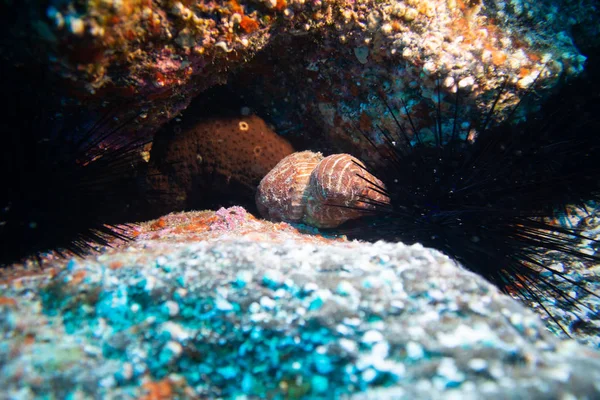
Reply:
x=229, y=218
x=233, y=223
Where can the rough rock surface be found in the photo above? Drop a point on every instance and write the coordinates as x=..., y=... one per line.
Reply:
x=161, y=53
x=221, y=304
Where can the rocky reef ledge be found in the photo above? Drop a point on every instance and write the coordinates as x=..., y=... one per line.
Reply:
x=221, y=305
x=159, y=54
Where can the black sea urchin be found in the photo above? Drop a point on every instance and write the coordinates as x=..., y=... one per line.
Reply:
x=65, y=186
x=494, y=203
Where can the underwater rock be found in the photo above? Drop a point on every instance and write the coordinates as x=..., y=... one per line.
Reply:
x=206, y=305
x=164, y=52
x=401, y=52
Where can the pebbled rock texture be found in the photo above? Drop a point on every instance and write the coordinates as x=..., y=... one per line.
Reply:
x=205, y=305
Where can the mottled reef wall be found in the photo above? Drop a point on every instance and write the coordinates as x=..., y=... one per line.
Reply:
x=326, y=61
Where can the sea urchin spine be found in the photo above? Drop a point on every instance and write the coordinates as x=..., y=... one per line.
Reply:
x=65, y=187
x=491, y=203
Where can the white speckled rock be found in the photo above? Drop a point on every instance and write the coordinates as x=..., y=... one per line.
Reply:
x=343, y=319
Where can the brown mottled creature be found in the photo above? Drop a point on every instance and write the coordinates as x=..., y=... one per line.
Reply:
x=213, y=162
